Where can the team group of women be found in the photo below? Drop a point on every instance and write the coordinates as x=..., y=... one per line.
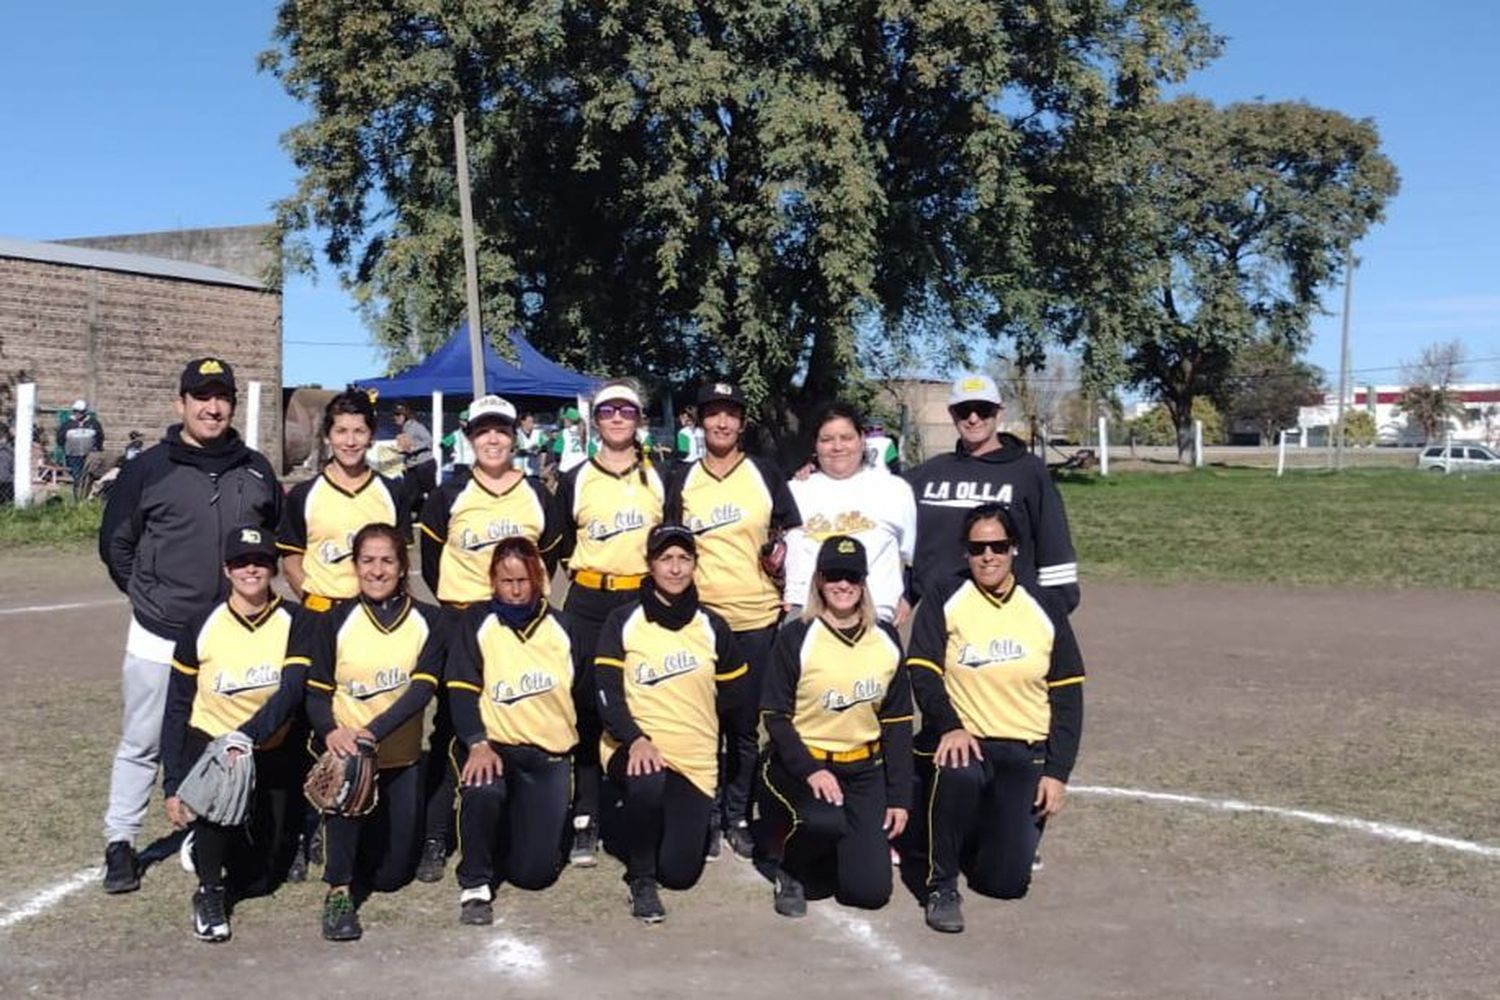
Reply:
x=703, y=608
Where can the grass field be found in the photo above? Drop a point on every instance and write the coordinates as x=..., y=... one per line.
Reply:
x=60, y=523
x=1376, y=528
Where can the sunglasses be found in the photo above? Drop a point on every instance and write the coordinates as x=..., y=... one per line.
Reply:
x=842, y=576
x=627, y=410
x=963, y=411
x=999, y=547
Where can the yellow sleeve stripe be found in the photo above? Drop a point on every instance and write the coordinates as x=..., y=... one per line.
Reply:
x=742, y=670
x=555, y=543
x=608, y=661
x=430, y=533
x=320, y=685
x=185, y=669
x=297, y=661
x=898, y=718
x=917, y=661
x=294, y=549
x=425, y=677
x=1065, y=681
x=464, y=686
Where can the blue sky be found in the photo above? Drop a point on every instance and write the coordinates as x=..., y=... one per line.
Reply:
x=134, y=117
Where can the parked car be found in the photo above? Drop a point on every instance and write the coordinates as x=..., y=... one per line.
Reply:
x=1458, y=458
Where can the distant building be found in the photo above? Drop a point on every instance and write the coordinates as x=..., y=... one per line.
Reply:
x=1480, y=421
x=114, y=326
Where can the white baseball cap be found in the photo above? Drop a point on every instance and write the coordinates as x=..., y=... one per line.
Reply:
x=80, y=404
x=490, y=409
x=973, y=387
x=618, y=394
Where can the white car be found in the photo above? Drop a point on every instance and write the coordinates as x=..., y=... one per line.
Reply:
x=1458, y=458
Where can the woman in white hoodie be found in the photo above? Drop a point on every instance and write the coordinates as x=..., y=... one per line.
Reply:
x=846, y=497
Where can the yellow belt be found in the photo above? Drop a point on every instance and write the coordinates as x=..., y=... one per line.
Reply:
x=846, y=756
x=317, y=602
x=607, y=581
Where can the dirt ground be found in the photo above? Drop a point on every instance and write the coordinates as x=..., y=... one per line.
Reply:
x=1361, y=704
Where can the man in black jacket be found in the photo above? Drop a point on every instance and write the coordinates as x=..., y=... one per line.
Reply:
x=161, y=539
x=989, y=467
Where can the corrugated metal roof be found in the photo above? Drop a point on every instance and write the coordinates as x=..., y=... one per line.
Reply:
x=109, y=260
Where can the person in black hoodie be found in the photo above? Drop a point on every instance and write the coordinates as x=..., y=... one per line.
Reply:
x=162, y=541
x=988, y=467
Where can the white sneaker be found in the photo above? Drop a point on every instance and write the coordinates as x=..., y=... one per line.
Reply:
x=185, y=854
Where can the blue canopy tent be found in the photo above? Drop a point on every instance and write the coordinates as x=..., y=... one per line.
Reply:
x=446, y=370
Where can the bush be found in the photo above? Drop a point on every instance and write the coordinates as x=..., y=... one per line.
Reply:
x=1359, y=429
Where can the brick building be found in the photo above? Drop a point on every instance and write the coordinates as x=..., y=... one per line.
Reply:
x=116, y=327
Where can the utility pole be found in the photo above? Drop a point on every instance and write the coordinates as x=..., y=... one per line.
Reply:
x=471, y=259
x=1338, y=461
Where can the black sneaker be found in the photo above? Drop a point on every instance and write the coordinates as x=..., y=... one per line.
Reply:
x=585, y=852
x=434, y=857
x=789, y=900
x=340, y=920
x=1037, y=864
x=475, y=908
x=122, y=871
x=740, y=841
x=943, y=912
x=210, y=918
x=715, y=844
x=297, y=871
x=645, y=901
x=315, y=846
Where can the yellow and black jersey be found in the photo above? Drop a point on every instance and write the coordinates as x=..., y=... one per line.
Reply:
x=375, y=667
x=733, y=516
x=319, y=523
x=1002, y=666
x=513, y=685
x=235, y=663
x=840, y=696
x=669, y=681
x=607, y=517
x=463, y=520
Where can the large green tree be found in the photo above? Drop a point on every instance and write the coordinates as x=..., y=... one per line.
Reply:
x=1201, y=231
x=676, y=187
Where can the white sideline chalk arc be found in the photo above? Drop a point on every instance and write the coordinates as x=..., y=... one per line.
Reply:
x=923, y=978
x=1383, y=831
x=40, y=608
x=49, y=897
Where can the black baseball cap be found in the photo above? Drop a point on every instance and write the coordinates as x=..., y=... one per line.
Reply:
x=249, y=541
x=664, y=536
x=720, y=392
x=842, y=554
x=202, y=373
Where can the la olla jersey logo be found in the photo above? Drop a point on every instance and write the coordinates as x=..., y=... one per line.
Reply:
x=965, y=493
x=383, y=682
x=719, y=517
x=998, y=651
x=332, y=553
x=530, y=684
x=672, y=665
x=496, y=531
x=864, y=692
x=253, y=678
x=624, y=521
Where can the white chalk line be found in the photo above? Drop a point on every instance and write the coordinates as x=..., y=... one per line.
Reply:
x=49, y=897
x=31, y=609
x=923, y=978
x=1382, y=831
x=517, y=957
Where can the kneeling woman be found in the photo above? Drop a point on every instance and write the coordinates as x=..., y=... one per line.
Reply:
x=511, y=672
x=226, y=669
x=375, y=664
x=999, y=679
x=837, y=707
x=668, y=671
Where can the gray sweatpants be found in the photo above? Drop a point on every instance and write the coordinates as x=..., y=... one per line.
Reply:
x=143, y=686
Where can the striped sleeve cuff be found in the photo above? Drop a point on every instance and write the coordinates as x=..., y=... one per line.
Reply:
x=1057, y=575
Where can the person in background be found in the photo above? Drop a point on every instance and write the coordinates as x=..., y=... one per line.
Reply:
x=134, y=446
x=7, y=466
x=162, y=541
x=457, y=442
x=530, y=442
x=880, y=450
x=989, y=467
x=414, y=441
x=571, y=446
x=689, y=436
x=79, y=436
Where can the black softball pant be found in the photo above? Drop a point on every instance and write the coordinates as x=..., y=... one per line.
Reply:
x=377, y=851
x=512, y=829
x=439, y=766
x=737, y=757
x=838, y=851
x=587, y=609
x=981, y=819
x=252, y=859
x=666, y=824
